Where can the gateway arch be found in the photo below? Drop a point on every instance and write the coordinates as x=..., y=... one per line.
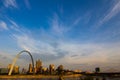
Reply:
x=15, y=59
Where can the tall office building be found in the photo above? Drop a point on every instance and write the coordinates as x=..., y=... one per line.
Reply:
x=30, y=69
x=9, y=66
x=38, y=66
x=51, y=68
x=38, y=63
x=35, y=69
x=16, y=69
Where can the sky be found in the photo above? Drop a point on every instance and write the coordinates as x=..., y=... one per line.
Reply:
x=80, y=34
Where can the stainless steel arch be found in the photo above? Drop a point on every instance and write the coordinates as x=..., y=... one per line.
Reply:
x=15, y=59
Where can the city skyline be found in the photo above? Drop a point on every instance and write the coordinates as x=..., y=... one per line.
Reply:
x=79, y=34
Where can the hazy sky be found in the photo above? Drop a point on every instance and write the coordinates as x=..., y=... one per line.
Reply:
x=80, y=34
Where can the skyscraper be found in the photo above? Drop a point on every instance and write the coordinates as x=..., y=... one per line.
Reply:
x=9, y=66
x=38, y=66
x=16, y=69
x=30, y=68
x=51, y=68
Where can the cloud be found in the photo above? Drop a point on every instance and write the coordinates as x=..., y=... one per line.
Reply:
x=69, y=54
x=27, y=3
x=60, y=26
x=35, y=46
x=14, y=23
x=14, y=26
x=3, y=25
x=76, y=21
x=45, y=51
x=61, y=52
x=24, y=42
x=57, y=25
x=84, y=19
x=66, y=53
x=113, y=11
x=10, y=3
x=92, y=53
x=52, y=50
